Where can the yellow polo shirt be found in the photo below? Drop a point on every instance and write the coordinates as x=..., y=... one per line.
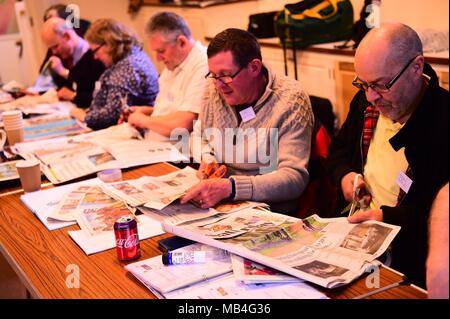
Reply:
x=384, y=164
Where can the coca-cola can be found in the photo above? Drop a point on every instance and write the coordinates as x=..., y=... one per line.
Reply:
x=127, y=238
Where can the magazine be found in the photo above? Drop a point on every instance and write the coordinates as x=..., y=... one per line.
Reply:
x=153, y=273
x=328, y=252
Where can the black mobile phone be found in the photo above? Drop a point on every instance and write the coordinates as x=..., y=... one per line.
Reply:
x=172, y=243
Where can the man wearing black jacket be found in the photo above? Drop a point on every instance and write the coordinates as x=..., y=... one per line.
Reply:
x=81, y=70
x=396, y=136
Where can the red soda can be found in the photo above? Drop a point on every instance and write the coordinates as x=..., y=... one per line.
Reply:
x=127, y=239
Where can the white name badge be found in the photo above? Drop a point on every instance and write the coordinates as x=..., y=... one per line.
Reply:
x=247, y=114
x=404, y=182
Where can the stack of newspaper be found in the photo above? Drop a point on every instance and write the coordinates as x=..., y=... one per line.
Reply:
x=216, y=278
x=67, y=158
x=153, y=192
x=328, y=252
x=95, y=212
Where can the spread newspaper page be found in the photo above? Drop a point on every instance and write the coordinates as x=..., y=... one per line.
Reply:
x=67, y=158
x=328, y=252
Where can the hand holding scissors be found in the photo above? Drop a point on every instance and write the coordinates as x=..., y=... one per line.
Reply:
x=360, y=198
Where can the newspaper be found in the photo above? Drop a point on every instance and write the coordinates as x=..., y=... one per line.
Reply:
x=105, y=240
x=97, y=220
x=250, y=272
x=226, y=287
x=177, y=213
x=67, y=158
x=8, y=171
x=328, y=252
x=163, y=279
x=61, y=108
x=153, y=192
x=80, y=197
x=43, y=202
x=45, y=127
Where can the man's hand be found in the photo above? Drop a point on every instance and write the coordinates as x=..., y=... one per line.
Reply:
x=208, y=192
x=78, y=113
x=347, y=185
x=147, y=110
x=361, y=216
x=137, y=119
x=57, y=66
x=66, y=94
x=348, y=189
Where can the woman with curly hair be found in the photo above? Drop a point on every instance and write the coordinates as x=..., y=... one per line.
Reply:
x=130, y=77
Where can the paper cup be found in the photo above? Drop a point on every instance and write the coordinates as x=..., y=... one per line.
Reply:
x=15, y=135
x=12, y=115
x=2, y=138
x=30, y=175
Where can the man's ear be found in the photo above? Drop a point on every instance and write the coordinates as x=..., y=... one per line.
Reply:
x=255, y=66
x=66, y=36
x=418, y=65
x=182, y=40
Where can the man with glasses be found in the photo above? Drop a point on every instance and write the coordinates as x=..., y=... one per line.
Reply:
x=80, y=71
x=182, y=81
x=396, y=136
x=258, y=124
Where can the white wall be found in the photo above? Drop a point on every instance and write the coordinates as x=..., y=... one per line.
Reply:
x=419, y=14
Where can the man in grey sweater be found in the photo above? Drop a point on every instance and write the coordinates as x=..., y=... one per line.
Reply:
x=257, y=123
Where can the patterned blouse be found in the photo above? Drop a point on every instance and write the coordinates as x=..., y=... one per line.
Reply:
x=134, y=78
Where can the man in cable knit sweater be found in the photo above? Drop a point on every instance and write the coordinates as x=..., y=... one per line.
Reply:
x=257, y=123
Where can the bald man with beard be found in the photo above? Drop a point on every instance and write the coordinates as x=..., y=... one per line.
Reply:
x=396, y=136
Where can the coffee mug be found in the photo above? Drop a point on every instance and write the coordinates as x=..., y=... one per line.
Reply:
x=2, y=139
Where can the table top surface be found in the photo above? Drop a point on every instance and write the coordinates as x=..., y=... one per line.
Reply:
x=44, y=259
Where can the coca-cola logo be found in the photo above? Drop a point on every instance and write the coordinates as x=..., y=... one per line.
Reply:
x=129, y=242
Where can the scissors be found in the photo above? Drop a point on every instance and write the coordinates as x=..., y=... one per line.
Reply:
x=126, y=107
x=354, y=204
x=214, y=171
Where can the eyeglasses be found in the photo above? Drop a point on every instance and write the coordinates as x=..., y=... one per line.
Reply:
x=225, y=79
x=97, y=48
x=380, y=88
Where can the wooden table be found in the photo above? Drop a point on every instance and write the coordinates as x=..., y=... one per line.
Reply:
x=40, y=258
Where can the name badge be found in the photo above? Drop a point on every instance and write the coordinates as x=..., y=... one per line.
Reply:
x=404, y=182
x=247, y=114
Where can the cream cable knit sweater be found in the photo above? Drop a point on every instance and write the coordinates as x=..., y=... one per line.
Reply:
x=283, y=106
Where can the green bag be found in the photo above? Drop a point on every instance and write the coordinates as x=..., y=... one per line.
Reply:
x=327, y=21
